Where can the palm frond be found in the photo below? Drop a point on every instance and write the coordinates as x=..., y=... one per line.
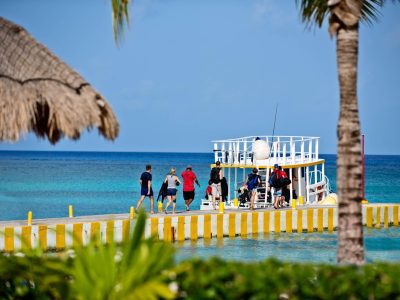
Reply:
x=314, y=12
x=120, y=14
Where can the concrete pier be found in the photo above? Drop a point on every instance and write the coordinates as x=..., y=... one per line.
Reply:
x=61, y=233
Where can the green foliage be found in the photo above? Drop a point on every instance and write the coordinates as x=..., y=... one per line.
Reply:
x=219, y=279
x=34, y=277
x=136, y=270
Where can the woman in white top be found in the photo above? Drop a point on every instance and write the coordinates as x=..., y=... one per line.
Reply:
x=173, y=181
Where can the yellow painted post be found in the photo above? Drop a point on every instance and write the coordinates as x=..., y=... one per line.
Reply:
x=167, y=229
x=330, y=219
x=289, y=224
x=154, y=227
x=26, y=234
x=126, y=224
x=70, y=211
x=235, y=202
x=181, y=229
x=300, y=220
x=131, y=213
x=277, y=221
x=95, y=233
x=77, y=234
x=254, y=223
x=320, y=220
x=266, y=222
x=301, y=200
x=232, y=225
x=9, y=239
x=29, y=218
x=207, y=226
x=369, y=217
x=220, y=226
x=43, y=237
x=294, y=203
x=60, y=237
x=194, y=228
x=221, y=207
x=243, y=225
x=159, y=206
x=110, y=232
x=396, y=215
x=386, y=217
x=378, y=217
x=310, y=220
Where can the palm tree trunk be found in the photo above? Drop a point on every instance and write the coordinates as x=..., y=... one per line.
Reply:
x=350, y=232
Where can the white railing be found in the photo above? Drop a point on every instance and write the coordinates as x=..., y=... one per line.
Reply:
x=283, y=150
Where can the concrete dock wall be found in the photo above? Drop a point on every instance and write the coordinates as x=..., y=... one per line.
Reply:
x=184, y=226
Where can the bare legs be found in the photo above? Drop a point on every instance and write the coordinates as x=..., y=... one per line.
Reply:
x=151, y=203
x=188, y=202
x=173, y=200
x=253, y=195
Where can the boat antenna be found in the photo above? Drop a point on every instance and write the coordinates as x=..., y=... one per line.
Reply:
x=273, y=129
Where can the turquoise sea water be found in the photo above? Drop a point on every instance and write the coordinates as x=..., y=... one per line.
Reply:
x=99, y=183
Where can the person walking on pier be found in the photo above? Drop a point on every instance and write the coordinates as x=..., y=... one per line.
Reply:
x=189, y=178
x=146, y=189
x=215, y=177
x=253, y=181
x=173, y=181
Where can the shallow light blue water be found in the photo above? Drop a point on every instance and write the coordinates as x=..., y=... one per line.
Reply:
x=380, y=245
x=99, y=183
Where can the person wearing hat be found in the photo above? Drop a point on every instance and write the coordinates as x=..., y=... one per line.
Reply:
x=189, y=178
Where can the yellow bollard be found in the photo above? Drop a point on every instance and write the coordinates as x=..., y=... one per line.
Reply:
x=221, y=207
x=160, y=207
x=70, y=211
x=301, y=200
x=131, y=213
x=235, y=202
x=294, y=203
x=29, y=218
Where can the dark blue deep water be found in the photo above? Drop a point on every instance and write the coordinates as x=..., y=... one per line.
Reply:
x=98, y=183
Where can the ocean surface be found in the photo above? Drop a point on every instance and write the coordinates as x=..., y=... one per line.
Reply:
x=108, y=182
x=99, y=183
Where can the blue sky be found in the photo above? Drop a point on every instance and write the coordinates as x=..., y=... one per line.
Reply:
x=192, y=71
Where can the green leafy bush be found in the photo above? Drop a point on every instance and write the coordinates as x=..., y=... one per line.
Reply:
x=271, y=279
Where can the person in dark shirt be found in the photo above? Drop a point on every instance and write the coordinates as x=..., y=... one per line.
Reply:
x=146, y=189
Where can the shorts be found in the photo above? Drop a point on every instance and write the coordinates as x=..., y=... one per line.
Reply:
x=278, y=192
x=144, y=191
x=171, y=192
x=216, y=189
x=188, y=195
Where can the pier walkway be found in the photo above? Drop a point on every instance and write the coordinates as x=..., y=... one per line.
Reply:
x=61, y=233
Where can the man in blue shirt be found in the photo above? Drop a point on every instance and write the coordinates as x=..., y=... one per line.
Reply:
x=146, y=189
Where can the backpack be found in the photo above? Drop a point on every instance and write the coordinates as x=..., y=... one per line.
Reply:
x=214, y=176
x=275, y=182
x=252, y=182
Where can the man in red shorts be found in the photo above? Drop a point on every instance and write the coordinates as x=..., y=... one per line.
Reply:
x=189, y=178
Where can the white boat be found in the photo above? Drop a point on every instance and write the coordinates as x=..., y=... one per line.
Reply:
x=297, y=155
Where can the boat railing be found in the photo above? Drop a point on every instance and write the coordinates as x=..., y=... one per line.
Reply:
x=282, y=149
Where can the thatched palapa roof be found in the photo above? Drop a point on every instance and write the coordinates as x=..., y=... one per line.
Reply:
x=40, y=93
